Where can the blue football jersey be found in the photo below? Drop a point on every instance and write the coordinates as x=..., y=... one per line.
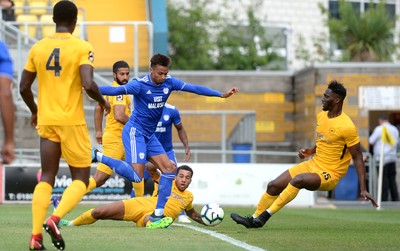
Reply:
x=170, y=116
x=6, y=64
x=150, y=98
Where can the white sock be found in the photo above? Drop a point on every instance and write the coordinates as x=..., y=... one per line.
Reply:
x=159, y=212
x=99, y=156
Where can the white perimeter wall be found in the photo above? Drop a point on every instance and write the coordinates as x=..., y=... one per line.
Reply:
x=238, y=184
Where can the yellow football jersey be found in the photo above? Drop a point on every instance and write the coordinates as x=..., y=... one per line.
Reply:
x=56, y=60
x=112, y=125
x=137, y=208
x=333, y=136
x=177, y=202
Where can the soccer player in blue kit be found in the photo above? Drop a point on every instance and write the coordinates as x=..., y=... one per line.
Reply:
x=141, y=145
x=170, y=116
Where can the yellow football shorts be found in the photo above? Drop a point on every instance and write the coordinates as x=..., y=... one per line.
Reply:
x=112, y=147
x=138, y=208
x=76, y=147
x=328, y=181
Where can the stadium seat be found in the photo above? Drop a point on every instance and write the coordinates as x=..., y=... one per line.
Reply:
x=47, y=29
x=18, y=4
x=27, y=18
x=38, y=7
x=53, y=2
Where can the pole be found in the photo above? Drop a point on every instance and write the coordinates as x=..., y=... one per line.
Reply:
x=380, y=177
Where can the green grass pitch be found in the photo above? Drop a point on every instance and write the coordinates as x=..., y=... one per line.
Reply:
x=289, y=229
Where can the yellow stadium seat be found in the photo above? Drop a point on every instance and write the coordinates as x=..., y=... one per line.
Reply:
x=53, y=2
x=38, y=7
x=50, y=29
x=18, y=4
x=27, y=18
x=47, y=29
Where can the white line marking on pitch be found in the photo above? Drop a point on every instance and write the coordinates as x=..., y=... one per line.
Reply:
x=223, y=237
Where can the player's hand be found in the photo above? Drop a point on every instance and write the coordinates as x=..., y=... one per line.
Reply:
x=34, y=120
x=7, y=153
x=305, y=153
x=229, y=92
x=99, y=137
x=188, y=154
x=367, y=196
x=106, y=107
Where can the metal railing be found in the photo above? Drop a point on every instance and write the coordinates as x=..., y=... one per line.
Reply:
x=223, y=114
x=83, y=25
x=33, y=156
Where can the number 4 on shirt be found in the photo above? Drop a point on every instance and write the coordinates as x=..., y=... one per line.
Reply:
x=55, y=58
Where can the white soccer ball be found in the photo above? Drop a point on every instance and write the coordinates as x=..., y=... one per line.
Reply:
x=212, y=214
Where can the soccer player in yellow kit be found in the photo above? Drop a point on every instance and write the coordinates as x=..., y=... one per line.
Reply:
x=63, y=65
x=139, y=209
x=337, y=142
x=115, y=121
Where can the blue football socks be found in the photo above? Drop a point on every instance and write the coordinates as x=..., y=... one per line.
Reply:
x=164, y=191
x=122, y=168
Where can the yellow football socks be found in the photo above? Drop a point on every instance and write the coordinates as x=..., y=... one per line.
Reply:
x=284, y=197
x=40, y=204
x=138, y=188
x=264, y=203
x=92, y=185
x=70, y=198
x=84, y=219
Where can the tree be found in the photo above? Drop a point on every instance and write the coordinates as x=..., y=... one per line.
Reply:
x=319, y=53
x=364, y=37
x=200, y=39
x=190, y=43
x=245, y=47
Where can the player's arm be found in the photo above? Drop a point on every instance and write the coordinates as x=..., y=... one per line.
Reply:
x=91, y=88
x=132, y=87
x=98, y=123
x=358, y=161
x=307, y=152
x=194, y=215
x=120, y=115
x=7, y=116
x=205, y=91
x=25, y=90
x=184, y=139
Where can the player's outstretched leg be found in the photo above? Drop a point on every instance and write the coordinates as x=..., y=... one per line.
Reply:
x=262, y=219
x=120, y=167
x=164, y=191
x=162, y=223
x=51, y=227
x=247, y=221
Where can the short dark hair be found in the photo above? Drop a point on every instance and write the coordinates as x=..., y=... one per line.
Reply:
x=384, y=117
x=119, y=64
x=160, y=59
x=338, y=88
x=184, y=167
x=65, y=12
